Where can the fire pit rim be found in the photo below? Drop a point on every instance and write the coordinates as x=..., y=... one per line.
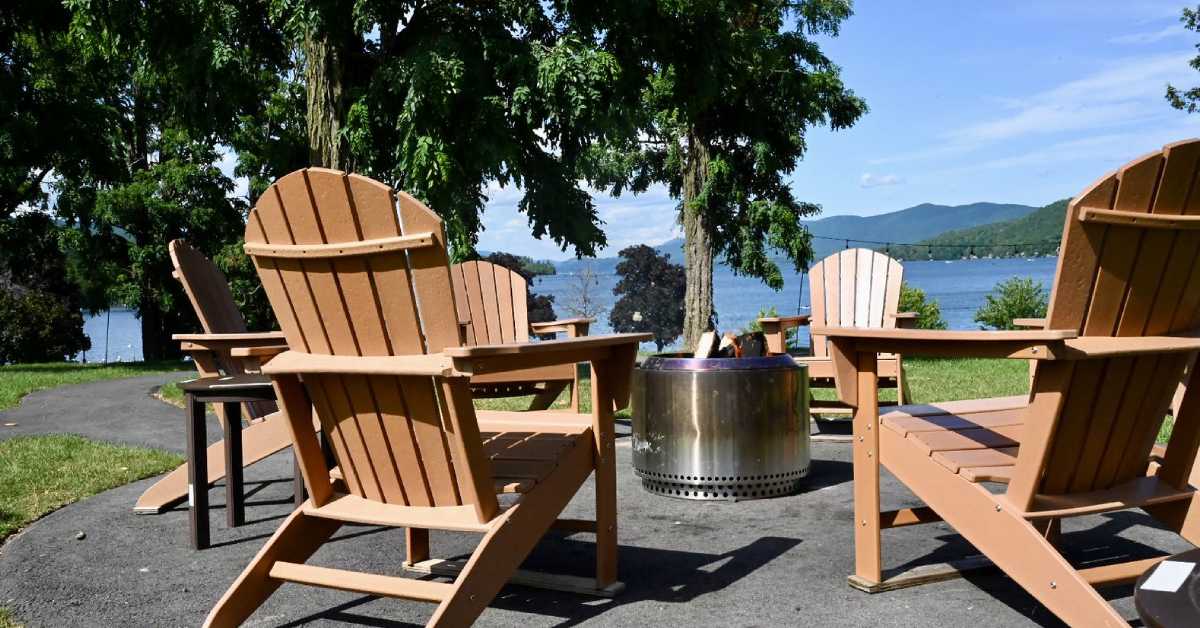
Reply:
x=683, y=362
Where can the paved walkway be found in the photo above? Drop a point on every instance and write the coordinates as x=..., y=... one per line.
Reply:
x=778, y=562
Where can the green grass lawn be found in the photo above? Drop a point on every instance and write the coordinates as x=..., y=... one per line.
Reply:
x=18, y=380
x=39, y=474
x=950, y=379
x=6, y=620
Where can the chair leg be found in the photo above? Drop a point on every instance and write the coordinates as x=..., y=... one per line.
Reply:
x=1002, y=535
x=575, y=391
x=1182, y=516
x=900, y=396
x=416, y=541
x=1051, y=529
x=512, y=536
x=259, y=440
x=548, y=396
x=295, y=541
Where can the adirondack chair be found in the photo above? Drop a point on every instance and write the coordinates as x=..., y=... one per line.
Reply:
x=359, y=279
x=492, y=306
x=1121, y=328
x=225, y=348
x=853, y=287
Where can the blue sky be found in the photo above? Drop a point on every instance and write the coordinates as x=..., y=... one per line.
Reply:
x=1017, y=102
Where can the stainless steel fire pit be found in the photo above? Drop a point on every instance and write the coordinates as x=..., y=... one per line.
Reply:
x=720, y=428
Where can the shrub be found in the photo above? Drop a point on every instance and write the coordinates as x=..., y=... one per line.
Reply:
x=40, y=316
x=929, y=312
x=36, y=326
x=1018, y=297
x=651, y=291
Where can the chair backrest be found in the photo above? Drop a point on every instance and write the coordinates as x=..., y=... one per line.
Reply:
x=493, y=299
x=853, y=288
x=1091, y=424
x=353, y=268
x=208, y=290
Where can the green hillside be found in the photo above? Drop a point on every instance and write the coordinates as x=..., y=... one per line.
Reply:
x=912, y=224
x=1037, y=233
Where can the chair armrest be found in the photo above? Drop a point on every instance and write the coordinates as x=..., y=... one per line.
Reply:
x=515, y=356
x=263, y=352
x=575, y=327
x=905, y=320
x=1030, y=323
x=549, y=347
x=775, y=328
x=1036, y=344
x=425, y=365
x=225, y=342
x=784, y=322
x=1092, y=347
x=848, y=346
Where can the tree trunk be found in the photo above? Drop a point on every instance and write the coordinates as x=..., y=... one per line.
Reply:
x=154, y=338
x=323, y=73
x=697, y=248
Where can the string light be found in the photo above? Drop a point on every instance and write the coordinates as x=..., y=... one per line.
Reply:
x=971, y=245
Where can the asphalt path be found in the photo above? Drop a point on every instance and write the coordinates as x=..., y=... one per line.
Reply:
x=772, y=562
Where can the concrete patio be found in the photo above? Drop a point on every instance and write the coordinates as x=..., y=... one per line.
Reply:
x=772, y=562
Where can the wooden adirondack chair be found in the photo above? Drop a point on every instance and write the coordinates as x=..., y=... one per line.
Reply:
x=359, y=278
x=225, y=348
x=856, y=288
x=1121, y=328
x=493, y=306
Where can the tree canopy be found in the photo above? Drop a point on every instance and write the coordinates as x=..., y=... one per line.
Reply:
x=441, y=99
x=730, y=90
x=121, y=112
x=1187, y=99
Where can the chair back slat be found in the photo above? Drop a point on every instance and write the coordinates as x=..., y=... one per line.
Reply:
x=1122, y=280
x=496, y=302
x=208, y=291
x=390, y=434
x=853, y=288
x=504, y=302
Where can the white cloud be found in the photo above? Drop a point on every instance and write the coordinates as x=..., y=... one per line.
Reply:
x=869, y=180
x=647, y=218
x=1126, y=93
x=1150, y=37
x=1109, y=148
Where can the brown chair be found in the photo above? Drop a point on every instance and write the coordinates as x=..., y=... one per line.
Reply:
x=854, y=288
x=359, y=278
x=225, y=348
x=492, y=306
x=1121, y=329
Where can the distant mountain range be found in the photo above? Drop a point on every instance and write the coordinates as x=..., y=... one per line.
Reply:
x=914, y=224
x=1038, y=233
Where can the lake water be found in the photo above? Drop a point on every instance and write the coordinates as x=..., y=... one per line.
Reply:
x=959, y=286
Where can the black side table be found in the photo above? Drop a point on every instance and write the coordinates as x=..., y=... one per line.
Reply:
x=231, y=391
x=1171, y=609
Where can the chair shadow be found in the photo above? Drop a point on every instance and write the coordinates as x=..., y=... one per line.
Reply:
x=678, y=577
x=1097, y=546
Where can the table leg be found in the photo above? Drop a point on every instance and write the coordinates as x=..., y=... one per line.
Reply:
x=235, y=500
x=197, y=455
